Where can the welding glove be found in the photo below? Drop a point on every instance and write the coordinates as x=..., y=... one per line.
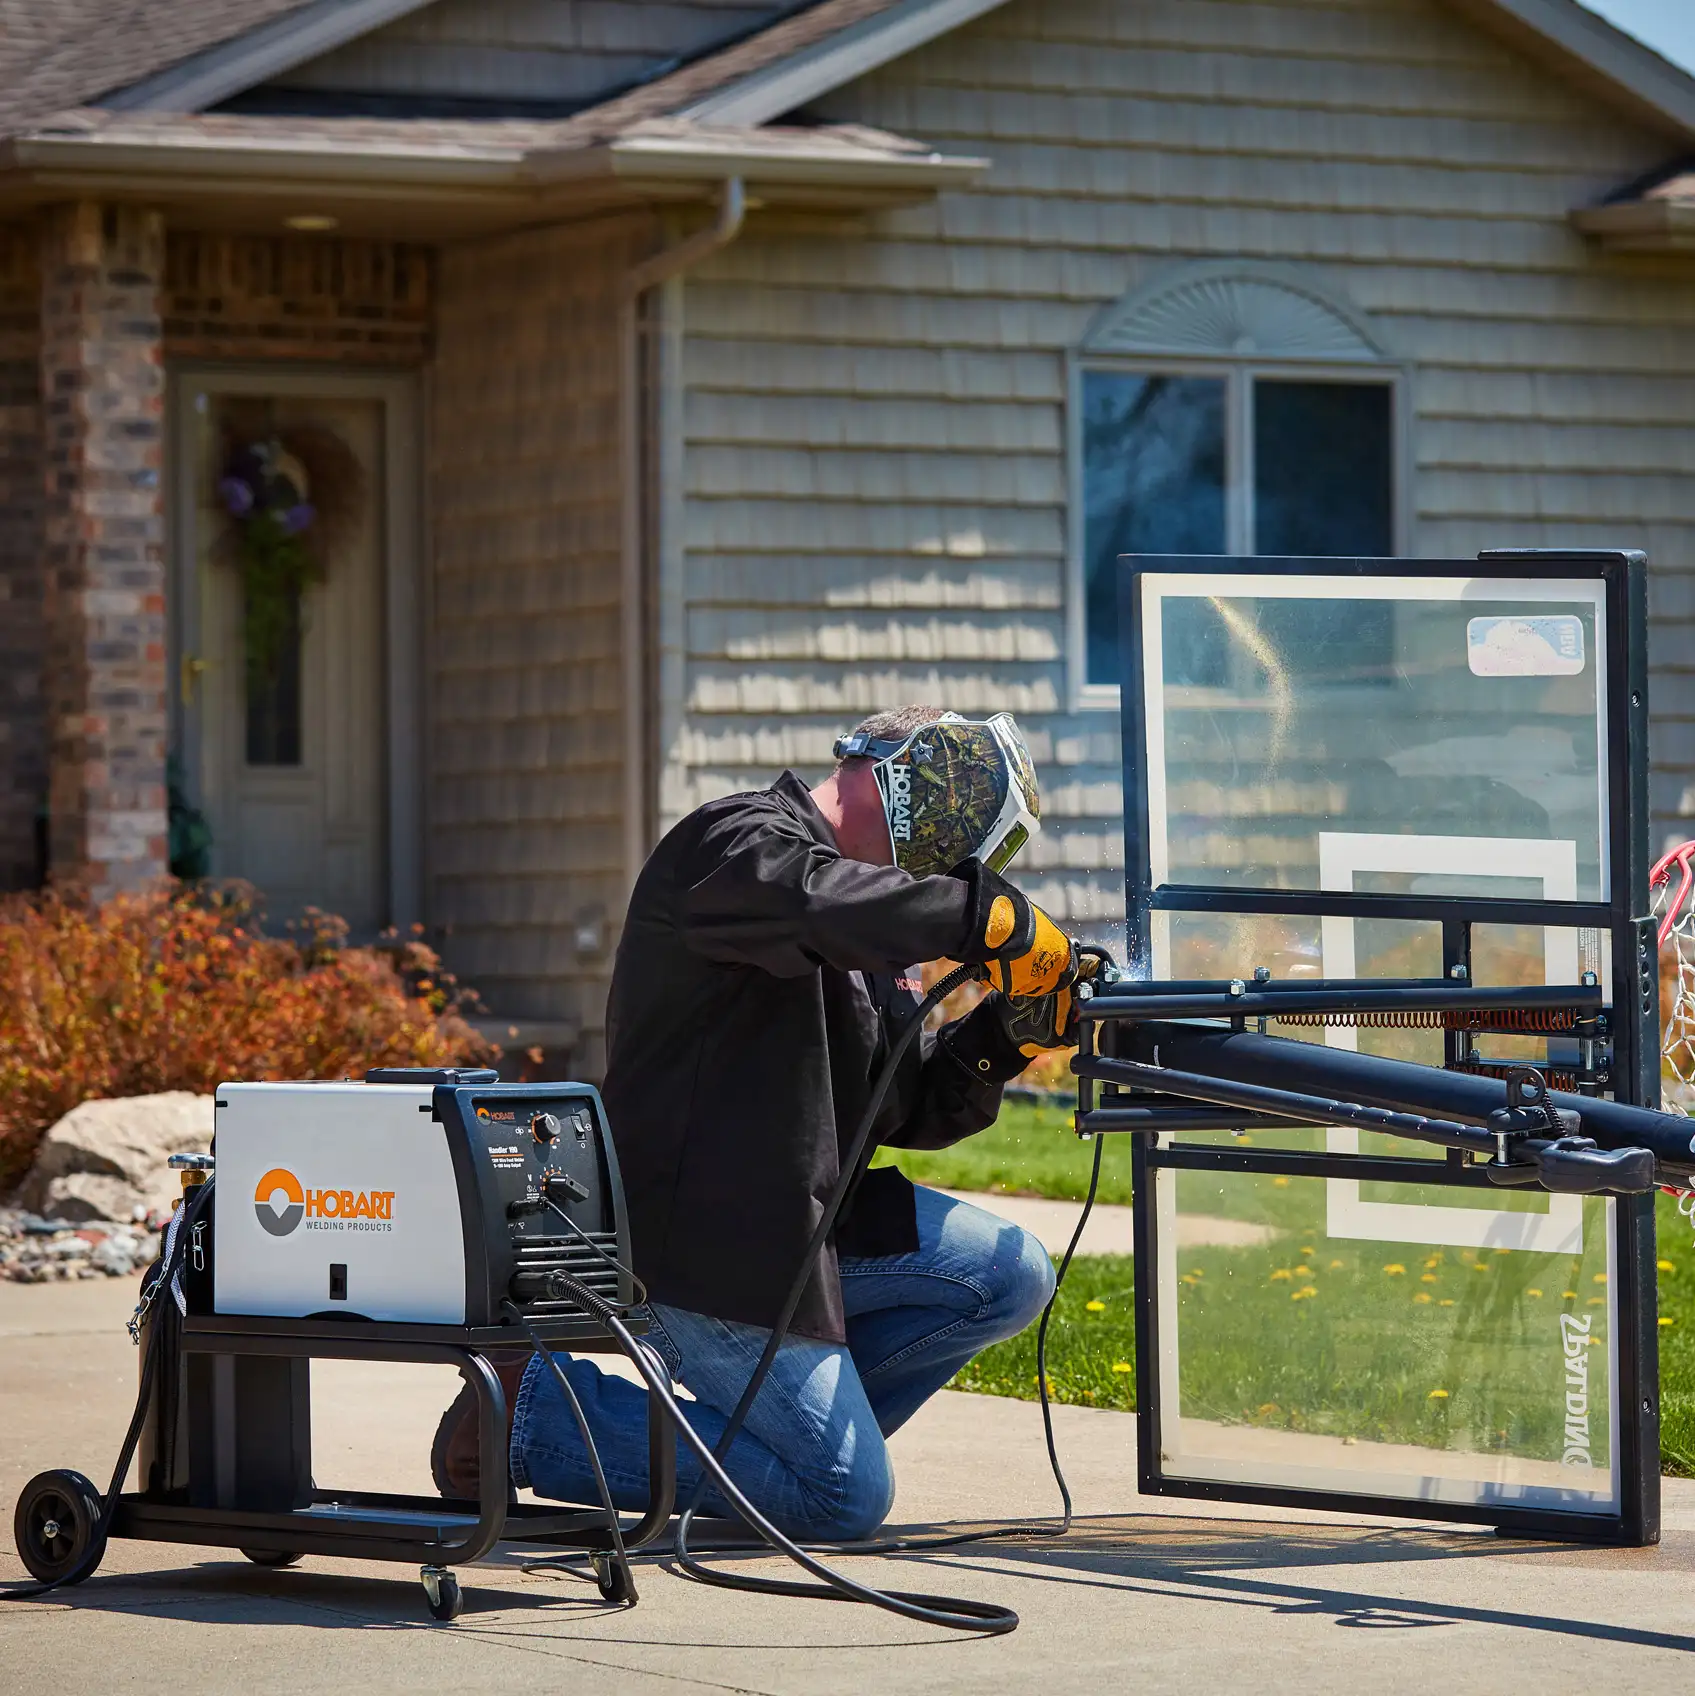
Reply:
x=1026, y=953
x=1036, y=1022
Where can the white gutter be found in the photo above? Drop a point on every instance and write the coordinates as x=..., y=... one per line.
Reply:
x=648, y=274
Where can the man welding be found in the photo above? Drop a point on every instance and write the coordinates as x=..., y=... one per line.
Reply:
x=764, y=970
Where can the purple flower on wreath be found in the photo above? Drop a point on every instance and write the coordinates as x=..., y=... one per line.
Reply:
x=298, y=517
x=237, y=495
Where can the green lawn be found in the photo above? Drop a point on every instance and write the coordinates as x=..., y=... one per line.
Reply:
x=1371, y=1341
x=1029, y=1150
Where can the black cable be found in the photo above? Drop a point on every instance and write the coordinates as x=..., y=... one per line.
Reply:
x=954, y=1612
x=614, y=1529
x=159, y=1289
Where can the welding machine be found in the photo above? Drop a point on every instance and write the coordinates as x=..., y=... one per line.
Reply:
x=418, y=1216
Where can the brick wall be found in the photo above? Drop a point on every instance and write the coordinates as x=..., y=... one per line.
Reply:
x=23, y=723
x=296, y=297
x=102, y=383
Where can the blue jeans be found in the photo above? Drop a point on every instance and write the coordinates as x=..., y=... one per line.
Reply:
x=812, y=1454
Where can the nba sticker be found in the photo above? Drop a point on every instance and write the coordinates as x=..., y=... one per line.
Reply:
x=1547, y=646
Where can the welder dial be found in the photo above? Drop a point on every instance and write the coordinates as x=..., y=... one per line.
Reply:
x=544, y=1128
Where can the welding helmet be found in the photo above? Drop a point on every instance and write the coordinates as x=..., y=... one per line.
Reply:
x=957, y=789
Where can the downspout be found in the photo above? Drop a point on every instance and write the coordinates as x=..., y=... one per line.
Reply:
x=659, y=268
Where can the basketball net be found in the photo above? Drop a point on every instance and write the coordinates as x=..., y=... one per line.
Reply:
x=1671, y=884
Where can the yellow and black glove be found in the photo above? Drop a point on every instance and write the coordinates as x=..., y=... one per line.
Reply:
x=1026, y=953
x=1034, y=1023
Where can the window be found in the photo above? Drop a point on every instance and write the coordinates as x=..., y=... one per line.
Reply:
x=1228, y=411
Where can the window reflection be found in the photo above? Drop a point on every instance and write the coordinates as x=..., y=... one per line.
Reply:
x=1322, y=476
x=1153, y=483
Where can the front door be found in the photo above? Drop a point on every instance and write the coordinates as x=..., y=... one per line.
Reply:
x=284, y=505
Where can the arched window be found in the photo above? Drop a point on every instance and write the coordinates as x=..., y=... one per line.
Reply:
x=1226, y=409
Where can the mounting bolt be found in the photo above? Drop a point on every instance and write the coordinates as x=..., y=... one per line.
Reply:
x=1458, y=972
x=1262, y=974
x=1237, y=987
x=1588, y=980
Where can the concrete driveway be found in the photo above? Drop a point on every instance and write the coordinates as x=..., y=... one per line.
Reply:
x=1144, y=1596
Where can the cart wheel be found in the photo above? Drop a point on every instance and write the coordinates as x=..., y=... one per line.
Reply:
x=272, y=1557
x=609, y=1576
x=57, y=1527
x=441, y=1592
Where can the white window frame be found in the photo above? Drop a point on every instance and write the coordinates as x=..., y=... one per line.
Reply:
x=1239, y=374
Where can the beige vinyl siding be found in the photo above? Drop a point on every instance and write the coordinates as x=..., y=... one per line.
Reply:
x=874, y=422
x=526, y=788
x=557, y=50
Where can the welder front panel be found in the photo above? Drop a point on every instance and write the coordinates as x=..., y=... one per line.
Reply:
x=336, y=1199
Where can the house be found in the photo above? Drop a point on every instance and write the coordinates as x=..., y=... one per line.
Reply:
x=682, y=380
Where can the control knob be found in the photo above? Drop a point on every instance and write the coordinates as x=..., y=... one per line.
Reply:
x=544, y=1128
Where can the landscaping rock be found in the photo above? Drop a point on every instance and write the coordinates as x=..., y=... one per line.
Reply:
x=34, y=1250
x=106, y=1160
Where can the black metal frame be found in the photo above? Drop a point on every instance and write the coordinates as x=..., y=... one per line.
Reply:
x=372, y=1525
x=1634, y=1032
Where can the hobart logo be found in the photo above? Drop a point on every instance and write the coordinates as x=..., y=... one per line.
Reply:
x=279, y=1221
x=900, y=803
x=323, y=1210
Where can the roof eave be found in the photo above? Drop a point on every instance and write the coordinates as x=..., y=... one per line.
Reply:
x=1640, y=226
x=442, y=195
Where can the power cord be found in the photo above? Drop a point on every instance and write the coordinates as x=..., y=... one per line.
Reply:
x=167, y=1267
x=950, y=1612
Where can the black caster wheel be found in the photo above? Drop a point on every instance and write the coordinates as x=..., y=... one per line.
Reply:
x=272, y=1557
x=441, y=1592
x=57, y=1527
x=610, y=1580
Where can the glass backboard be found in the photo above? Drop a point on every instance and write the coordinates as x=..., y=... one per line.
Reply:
x=1418, y=772
x=1418, y=733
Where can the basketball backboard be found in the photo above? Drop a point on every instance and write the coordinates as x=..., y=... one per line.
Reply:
x=1425, y=772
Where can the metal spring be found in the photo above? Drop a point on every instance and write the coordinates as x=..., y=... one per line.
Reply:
x=1496, y=1019
x=1569, y=1082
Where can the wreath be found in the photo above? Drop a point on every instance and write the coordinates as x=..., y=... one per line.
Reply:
x=291, y=497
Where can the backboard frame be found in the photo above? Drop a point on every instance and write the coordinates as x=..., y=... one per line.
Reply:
x=1621, y=917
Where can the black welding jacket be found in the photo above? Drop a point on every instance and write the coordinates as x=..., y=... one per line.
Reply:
x=759, y=981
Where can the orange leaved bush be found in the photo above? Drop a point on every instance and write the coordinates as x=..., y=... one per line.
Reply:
x=183, y=991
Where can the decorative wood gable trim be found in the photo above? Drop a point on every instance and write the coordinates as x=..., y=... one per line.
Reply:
x=1228, y=310
x=257, y=55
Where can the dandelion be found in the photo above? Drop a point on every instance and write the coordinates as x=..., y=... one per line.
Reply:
x=1427, y=1278
x=1437, y=1396
x=1434, y=1260
x=1666, y=1266
x=1422, y=1299
x=1094, y=1307
x=1309, y=1252
x=1593, y=1342
x=1281, y=1274
x=1568, y=1295
x=1122, y=1366
x=1503, y=1251
x=1280, y=1183
x=1187, y=1278
x=1335, y=1266
x=1395, y=1269
x=1596, y=1301
x=1196, y=1272
x=1481, y=1266
x=1304, y=1293
x=1599, y=1278
x=1533, y=1292
x=1665, y=1321
x=1446, y=1301
x=1267, y=1409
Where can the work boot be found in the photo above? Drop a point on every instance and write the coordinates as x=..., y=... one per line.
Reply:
x=454, y=1459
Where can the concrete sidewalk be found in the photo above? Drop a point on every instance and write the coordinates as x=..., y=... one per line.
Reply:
x=1144, y=1595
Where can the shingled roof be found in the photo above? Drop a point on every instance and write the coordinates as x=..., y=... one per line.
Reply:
x=60, y=53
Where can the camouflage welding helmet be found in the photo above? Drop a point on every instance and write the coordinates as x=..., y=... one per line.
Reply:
x=958, y=789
